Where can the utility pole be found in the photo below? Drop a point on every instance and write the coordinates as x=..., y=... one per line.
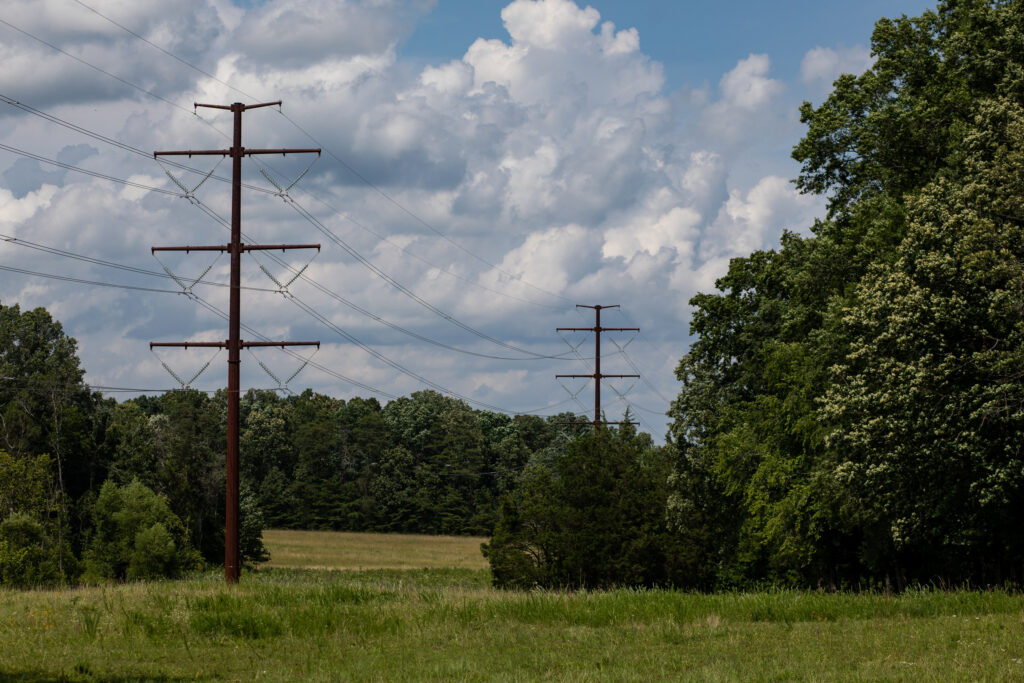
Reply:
x=597, y=376
x=234, y=344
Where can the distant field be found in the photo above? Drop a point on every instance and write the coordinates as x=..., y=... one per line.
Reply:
x=450, y=624
x=343, y=550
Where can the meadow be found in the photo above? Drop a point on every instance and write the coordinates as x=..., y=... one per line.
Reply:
x=442, y=623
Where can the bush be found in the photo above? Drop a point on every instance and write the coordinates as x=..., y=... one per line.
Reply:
x=136, y=536
x=28, y=557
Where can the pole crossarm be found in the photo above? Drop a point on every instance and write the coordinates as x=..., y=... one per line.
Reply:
x=227, y=344
x=237, y=105
x=231, y=152
x=602, y=376
x=242, y=247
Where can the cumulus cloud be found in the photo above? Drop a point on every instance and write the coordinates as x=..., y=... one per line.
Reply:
x=746, y=96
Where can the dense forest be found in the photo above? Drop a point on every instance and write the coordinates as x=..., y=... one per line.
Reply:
x=850, y=415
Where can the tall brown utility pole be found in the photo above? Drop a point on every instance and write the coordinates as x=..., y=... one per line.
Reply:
x=597, y=376
x=234, y=344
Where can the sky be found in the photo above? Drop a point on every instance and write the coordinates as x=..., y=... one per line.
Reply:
x=486, y=167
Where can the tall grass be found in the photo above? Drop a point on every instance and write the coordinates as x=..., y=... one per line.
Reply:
x=449, y=624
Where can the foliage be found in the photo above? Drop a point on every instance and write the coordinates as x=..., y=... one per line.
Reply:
x=925, y=411
x=29, y=557
x=33, y=552
x=848, y=408
x=136, y=536
x=596, y=519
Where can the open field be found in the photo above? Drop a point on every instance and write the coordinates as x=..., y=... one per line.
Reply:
x=449, y=624
x=342, y=550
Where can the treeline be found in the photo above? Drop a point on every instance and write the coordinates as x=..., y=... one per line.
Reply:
x=852, y=407
x=425, y=463
x=110, y=490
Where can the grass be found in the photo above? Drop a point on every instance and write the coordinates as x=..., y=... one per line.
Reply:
x=449, y=624
x=341, y=550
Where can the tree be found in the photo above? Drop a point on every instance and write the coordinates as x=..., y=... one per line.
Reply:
x=32, y=551
x=136, y=536
x=924, y=413
x=754, y=487
x=596, y=520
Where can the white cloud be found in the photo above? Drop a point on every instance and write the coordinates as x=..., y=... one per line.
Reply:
x=823, y=65
x=747, y=95
x=747, y=85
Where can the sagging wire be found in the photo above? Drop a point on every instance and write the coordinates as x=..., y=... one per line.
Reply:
x=283, y=386
x=282, y=287
x=189, y=194
x=629, y=405
x=636, y=368
x=187, y=289
x=183, y=383
x=572, y=394
x=283, y=192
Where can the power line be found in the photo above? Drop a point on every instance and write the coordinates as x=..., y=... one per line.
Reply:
x=348, y=167
x=111, y=264
x=208, y=123
x=383, y=238
x=337, y=297
x=415, y=217
x=28, y=109
x=96, y=283
x=96, y=68
x=402, y=288
x=166, y=52
x=95, y=174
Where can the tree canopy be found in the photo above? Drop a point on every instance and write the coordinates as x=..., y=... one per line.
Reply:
x=848, y=410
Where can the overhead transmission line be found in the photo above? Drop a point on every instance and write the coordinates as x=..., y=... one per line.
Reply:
x=532, y=355
x=329, y=152
x=355, y=254
x=17, y=241
x=408, y=252
x=317, y=223
x=306, y=278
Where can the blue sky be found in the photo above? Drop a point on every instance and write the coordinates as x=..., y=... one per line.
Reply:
x=695, y=41
x=512, y=159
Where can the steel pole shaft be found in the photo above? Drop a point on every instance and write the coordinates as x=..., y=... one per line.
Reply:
x=231, y=544
x=597, y=369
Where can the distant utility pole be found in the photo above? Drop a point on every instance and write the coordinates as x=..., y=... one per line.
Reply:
x=234, y=344
x=597, y=376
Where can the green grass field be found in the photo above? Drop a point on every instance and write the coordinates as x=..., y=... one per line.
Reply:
x=449, y=624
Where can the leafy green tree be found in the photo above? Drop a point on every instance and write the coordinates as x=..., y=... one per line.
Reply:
x=754, y=487
x=136, y=536
x=133, y=441
x=924, y=412
x=250, y=531
x=29, y=557
x=190, y=450
x=596, y=520
x=32, y=551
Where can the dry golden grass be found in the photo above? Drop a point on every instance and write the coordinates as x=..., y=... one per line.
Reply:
x=353, y=551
